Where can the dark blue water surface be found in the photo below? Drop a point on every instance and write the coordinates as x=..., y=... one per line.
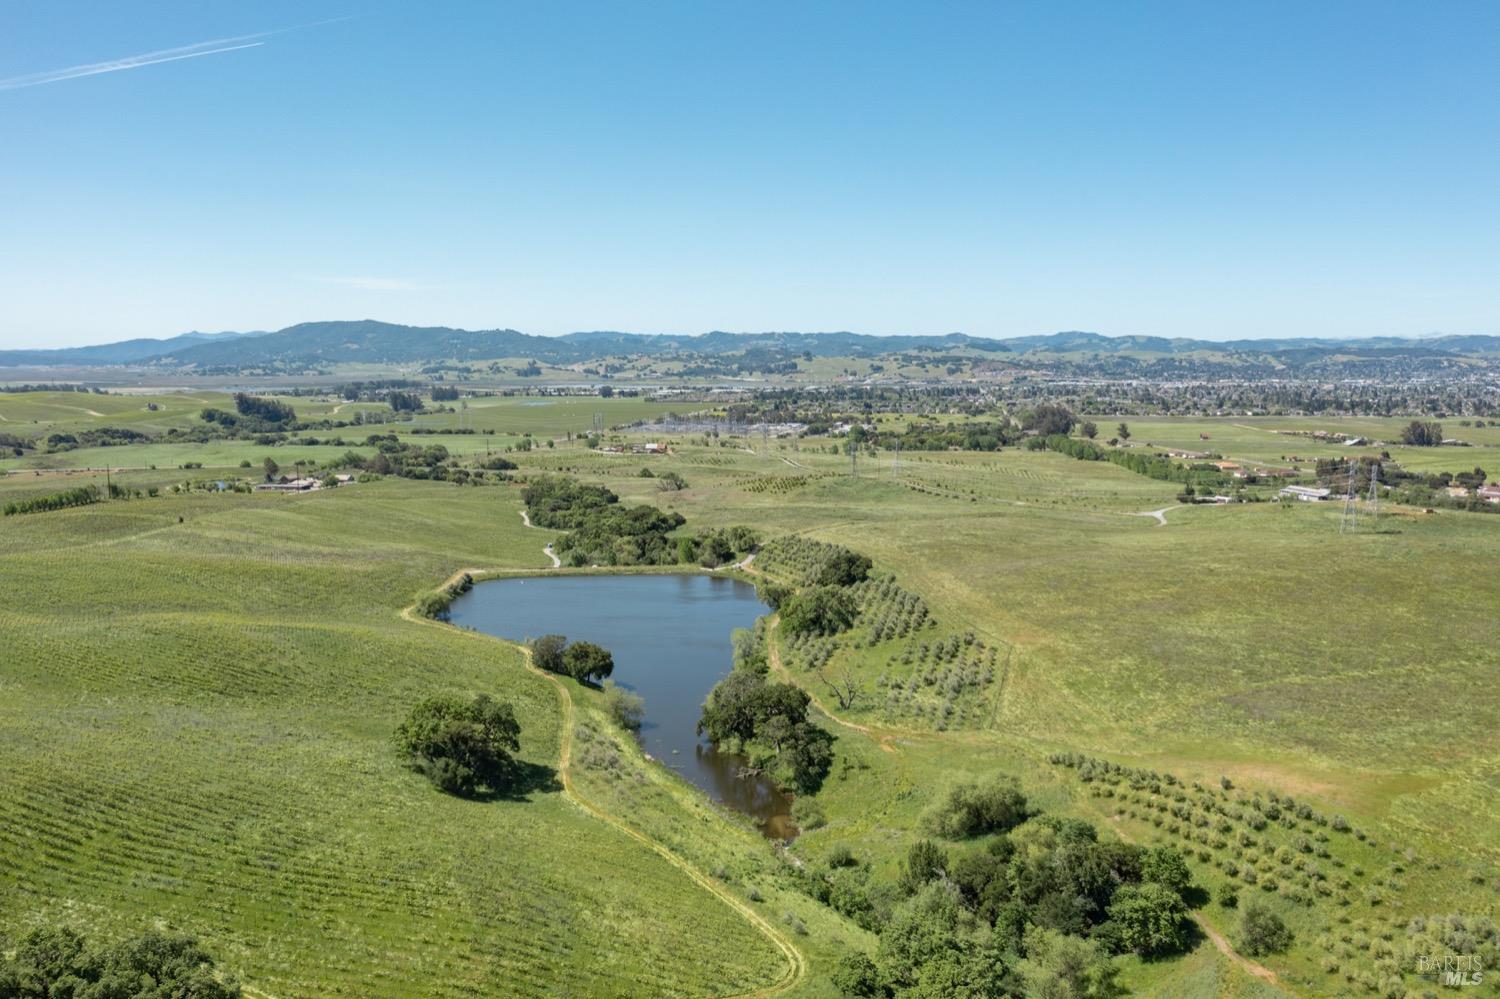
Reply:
x=670, y=636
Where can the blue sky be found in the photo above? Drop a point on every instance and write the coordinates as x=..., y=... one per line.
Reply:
x=1180, y=169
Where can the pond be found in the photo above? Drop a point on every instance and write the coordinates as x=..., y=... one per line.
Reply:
x=670, y=636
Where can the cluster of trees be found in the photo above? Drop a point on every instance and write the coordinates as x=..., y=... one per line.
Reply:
x=253, y=413
x=1422, y=433
x=16, y=445
x=401, y=458
x=58, y=963
x=827, y=604
x=583, y=661
x=404, y=402
x=717, y=546
x=96, y=437
x=817, y=610
x=1036, y=908
x=600, y=530
x=260, y=408
x=445, y=393
x=465, y=747
x=968, y=436
x=1048, y=419
x=370, y=391
x=81, y=496
x=767, y=721
x=1155, y=466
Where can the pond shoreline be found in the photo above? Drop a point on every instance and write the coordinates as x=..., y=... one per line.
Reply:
x=670, y=633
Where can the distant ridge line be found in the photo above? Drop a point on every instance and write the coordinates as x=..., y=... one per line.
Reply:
x=372, y=341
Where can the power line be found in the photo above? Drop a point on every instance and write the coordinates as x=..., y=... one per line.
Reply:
x=1350, y=519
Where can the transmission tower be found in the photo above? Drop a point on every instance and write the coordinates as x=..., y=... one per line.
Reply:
x=1373, y=506
x=1350, y=520
x=896, y=461
x=599, y=423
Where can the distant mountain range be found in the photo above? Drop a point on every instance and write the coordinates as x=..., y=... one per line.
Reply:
x=371, y=342
x=121, y=352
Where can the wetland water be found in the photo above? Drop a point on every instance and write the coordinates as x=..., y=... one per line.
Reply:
x=670, y=638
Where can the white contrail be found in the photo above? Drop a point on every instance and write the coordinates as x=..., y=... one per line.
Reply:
x=213, y=47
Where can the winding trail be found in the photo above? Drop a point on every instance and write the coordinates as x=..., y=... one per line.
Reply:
x=1220, y=942
x=881, y=737
x=796, y=969
x=546, y=549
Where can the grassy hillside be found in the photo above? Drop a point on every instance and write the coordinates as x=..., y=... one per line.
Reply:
x=198, y=716
x=1252, y=642
x=196, y=729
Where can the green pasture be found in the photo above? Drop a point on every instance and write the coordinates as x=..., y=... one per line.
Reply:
x=1276, y=440
x=545, y=415
x=224, y=455
x=200, y=693
x=198, y=713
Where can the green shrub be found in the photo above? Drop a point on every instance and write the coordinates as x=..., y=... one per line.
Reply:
x=1149, y=919
x=1262, y=930
x=974, y=808
x=808, y=814
x=626, y=707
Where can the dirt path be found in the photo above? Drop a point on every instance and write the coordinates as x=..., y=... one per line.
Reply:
x=880, y=737
x=796, y=963
x=1160, y=515
x=1220, y=942
x=796, y=464
x=547, y=548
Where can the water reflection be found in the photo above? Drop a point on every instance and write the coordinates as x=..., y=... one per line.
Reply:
x=670, y=635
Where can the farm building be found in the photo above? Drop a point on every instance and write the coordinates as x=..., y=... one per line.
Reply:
x=286, y=485
x=1490, y=493
x=1304, y=494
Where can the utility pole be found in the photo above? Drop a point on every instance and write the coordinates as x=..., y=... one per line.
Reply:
x=1350, y=519
x=1374, y=502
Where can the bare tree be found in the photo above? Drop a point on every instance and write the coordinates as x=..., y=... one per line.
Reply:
x=845, y=686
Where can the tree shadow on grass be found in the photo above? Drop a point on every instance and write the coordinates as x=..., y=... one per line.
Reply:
x=1195, y=896
x=525, y=779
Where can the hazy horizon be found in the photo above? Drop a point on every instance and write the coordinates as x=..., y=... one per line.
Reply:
x=1163, y=169
x=699, y=333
